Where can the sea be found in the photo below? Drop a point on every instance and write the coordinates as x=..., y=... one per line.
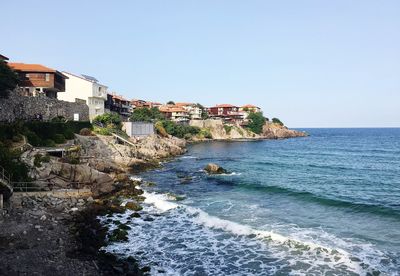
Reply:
x=327, y=204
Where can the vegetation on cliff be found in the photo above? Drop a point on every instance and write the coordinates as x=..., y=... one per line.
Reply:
x=144, y=114
x=256, y=122
x=8, y=79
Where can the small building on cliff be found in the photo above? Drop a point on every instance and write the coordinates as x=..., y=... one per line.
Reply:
x=36, y=80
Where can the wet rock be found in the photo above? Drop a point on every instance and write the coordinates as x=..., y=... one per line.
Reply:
x=212, y=168
x=133, y=206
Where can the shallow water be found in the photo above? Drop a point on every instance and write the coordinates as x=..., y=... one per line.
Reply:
x=325, y=204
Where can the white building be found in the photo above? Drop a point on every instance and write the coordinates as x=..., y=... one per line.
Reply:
x=192, y=109
x=85, y=88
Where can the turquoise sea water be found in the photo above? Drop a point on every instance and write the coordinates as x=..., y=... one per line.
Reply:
x=328, y=204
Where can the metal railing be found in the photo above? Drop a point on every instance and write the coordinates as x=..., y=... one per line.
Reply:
x=5, y=176
x=36, y=186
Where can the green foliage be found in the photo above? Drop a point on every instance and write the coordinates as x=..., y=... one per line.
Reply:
x=48, y=143
x=277, y=121
x=205, y=133
x=8, y=79
x=145, y=114
x=108, y=120
x=39, y=159
x=239, y=130
x=179, y=130
x=257, y=122
x=160, y=129
x=103, y=131
x=59, y=139
x=228, y=129
x=12, y=164
x=171, y=102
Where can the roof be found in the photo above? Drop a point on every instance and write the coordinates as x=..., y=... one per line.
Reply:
x=225, y=105
x=165, y=108
x=250, y=106
x=30, y=67
x=119, y=98
x=184, y=104
x=3, y=57
x=85, y=79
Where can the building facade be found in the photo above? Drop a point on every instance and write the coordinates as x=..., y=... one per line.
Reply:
x=88, y=89
x=37, y=80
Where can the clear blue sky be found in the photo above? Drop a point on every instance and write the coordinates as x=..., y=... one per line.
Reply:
x=310, y=63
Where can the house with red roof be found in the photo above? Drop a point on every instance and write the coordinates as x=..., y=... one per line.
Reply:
x=227, y=112
x=118, y=104
x=37, y=79
x=174, y=113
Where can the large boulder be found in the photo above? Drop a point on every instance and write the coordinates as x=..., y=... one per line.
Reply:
x=212, y=168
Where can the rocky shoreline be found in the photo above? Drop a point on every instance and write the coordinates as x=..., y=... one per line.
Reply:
x=59, y=232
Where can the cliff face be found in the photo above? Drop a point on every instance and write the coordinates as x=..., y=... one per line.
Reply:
x=219, y=131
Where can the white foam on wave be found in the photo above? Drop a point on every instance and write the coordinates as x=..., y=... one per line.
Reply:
x=136, y=178
x=160, y=201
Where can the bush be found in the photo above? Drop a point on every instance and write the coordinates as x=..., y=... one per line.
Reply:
x=85, y=132
x=59, y=139
x=33, y=139
x=11, y=163
x=160, y=129
x=8, y=79
x=277, y=121
x=39, y=159
x=144, y=114
x=228, y=129
x=108, y=119
x=178, y=130
x=102, y=131
x=257, y=122
x=48, y=143
x=205, y=133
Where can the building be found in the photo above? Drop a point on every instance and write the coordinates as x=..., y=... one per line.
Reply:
x=227, y=112
x=194, y=110
x=118, y=104
x=87, y=89
x=36, y=80
x=3, y=58
x=174, y=113
x=247, y=109
x=138, y=129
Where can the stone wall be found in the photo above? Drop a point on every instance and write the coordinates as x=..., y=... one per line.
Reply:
x=18, y=107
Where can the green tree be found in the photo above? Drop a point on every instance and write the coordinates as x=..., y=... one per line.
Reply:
x=108, y=120
x=277, y=121
x=204, y=113
x=257, y=122
x=8, y=80
x=171, y=102
x=145, y=114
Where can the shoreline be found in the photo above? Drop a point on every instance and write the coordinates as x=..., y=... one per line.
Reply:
x=81, y=229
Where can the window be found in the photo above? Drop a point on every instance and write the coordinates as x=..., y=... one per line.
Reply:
x=47, y=77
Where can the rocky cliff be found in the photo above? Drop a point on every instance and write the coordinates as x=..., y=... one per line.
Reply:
x=221, y=131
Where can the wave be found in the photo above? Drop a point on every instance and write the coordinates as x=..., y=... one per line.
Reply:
x=337, y=256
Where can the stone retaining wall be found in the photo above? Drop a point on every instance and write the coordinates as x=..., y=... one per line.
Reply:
x=18, y=107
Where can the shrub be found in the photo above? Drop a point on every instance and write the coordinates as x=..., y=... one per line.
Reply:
x=205, y=133
x=102, y=131
x=8, y=79
x=11, y=163
x=178, y=130
x=17, y=138
x=228, y=129
x=59, y=139
x=144, y=114
x=33, y=139
x=85, y=132
x=39, y=159
x=69, y=134
x=108, y=119
x=48, y=143
x=160, y=129
x=257, y=122
x=277, y=121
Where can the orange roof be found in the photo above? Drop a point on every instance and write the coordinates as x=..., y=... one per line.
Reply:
x=119, y=98
x=183, y=104
x=30, y=67
x=225, y=105
x=249, y=106
x=165, y=108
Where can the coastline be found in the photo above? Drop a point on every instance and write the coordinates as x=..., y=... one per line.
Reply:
x=81, y=228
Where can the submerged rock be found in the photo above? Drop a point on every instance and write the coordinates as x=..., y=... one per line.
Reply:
x=212, y=168
x=133, y=206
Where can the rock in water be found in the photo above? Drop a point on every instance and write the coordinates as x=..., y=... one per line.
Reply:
x=214, y=169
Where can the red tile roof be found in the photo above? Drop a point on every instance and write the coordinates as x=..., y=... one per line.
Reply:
x=30, y=67
x=225, y=105
x=250, y=106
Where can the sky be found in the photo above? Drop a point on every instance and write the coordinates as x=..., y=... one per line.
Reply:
x=310, y=63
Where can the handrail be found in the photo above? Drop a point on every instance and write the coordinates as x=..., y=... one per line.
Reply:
x=123, y=139
x=25, y=186
x=5, y=177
